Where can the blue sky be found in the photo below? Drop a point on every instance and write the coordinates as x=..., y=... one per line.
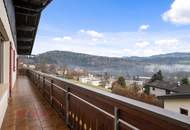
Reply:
x=115, y=27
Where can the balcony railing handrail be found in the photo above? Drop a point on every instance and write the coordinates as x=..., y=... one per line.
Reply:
x=144, y=107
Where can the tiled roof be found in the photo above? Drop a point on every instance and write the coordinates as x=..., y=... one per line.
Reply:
x=175, y=96
x=172, y=86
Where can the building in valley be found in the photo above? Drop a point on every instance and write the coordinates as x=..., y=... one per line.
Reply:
x=161, y=88
x=178, y=102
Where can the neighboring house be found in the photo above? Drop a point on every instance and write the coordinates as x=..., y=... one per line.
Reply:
x=90, y=79
x=160, y=88
x=59, y=72
x=31, y=66
x=134, y=82
x=86, y=79
x=94, y=82
x=24, y=65
x=143, y=78
x=108, y=86
x=83, y=79
x=178, y=102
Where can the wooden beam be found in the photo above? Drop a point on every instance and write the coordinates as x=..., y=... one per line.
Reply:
x=21, y=43
x=25, y=28
x=29, y=9
x=23, y=51
x=27, y=14
x=24, y=39
x=24, y=47
x=27, y=4
x=31, y=6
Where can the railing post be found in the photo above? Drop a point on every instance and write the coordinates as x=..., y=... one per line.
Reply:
x=43, y=85
x=116, y=119
x=67, y=105
x=39, y=80
x=51, y=92
x=36, y=78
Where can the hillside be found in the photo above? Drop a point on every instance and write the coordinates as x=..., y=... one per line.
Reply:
x=128, y=66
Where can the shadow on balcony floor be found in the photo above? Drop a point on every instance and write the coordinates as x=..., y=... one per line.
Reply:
x=28, y=110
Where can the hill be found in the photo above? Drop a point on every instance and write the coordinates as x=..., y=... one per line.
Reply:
x=170, y=63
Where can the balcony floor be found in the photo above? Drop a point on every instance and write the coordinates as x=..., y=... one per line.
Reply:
x=28, y=110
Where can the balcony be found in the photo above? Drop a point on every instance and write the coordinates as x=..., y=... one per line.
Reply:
x=82, y=108
x=28, y=110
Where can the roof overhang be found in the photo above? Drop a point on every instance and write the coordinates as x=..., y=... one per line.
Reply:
x=27, y=13
x=175, y=96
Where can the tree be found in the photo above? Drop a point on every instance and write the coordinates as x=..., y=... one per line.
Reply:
x=121, y=81
x=157, y=76
x=146, y=89
x=185, y=81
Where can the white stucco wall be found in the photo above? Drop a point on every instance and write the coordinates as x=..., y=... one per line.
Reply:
x=3, y=105
x=157, y=91
x=6, y=47
x=6, y=31
x=176, y=104
x=5, y=21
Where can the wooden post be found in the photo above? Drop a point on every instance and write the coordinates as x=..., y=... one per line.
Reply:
x=116, y=119
x=67, y=105
x=51, y=92
x=43, y=91
x=38, y=80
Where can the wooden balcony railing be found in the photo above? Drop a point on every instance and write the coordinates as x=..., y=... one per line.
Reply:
x=93, y=109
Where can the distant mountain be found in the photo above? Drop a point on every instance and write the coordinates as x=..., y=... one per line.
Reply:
x=128, y=66
x=170, y=58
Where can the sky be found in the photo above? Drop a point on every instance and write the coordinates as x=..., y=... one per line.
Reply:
x=115, y=28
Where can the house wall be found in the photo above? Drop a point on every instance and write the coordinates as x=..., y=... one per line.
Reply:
x=157, y=91
x=83, y=80
x=176, y=104
x=7, y=41
x=5, y=30
x=4, y=94
x=95, y=83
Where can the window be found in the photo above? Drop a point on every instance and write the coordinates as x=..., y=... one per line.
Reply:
x=184, y=111
x=167, y=91
x=153, y=89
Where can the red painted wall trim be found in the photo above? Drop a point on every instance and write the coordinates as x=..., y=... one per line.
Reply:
x=10, y=70
x=14, y=64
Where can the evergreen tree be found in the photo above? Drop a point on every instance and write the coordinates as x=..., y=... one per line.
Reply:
x=185, y=81
x=121, y=81
x=157, y=76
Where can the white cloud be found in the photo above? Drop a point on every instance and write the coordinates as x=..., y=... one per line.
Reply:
x=167, y=42
x=142, y=44
x=82, y=31
x=92, y=33
x=114, y=43
x=57, y=38
x=65, y=38
x=179, y=12
x=144, y=27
